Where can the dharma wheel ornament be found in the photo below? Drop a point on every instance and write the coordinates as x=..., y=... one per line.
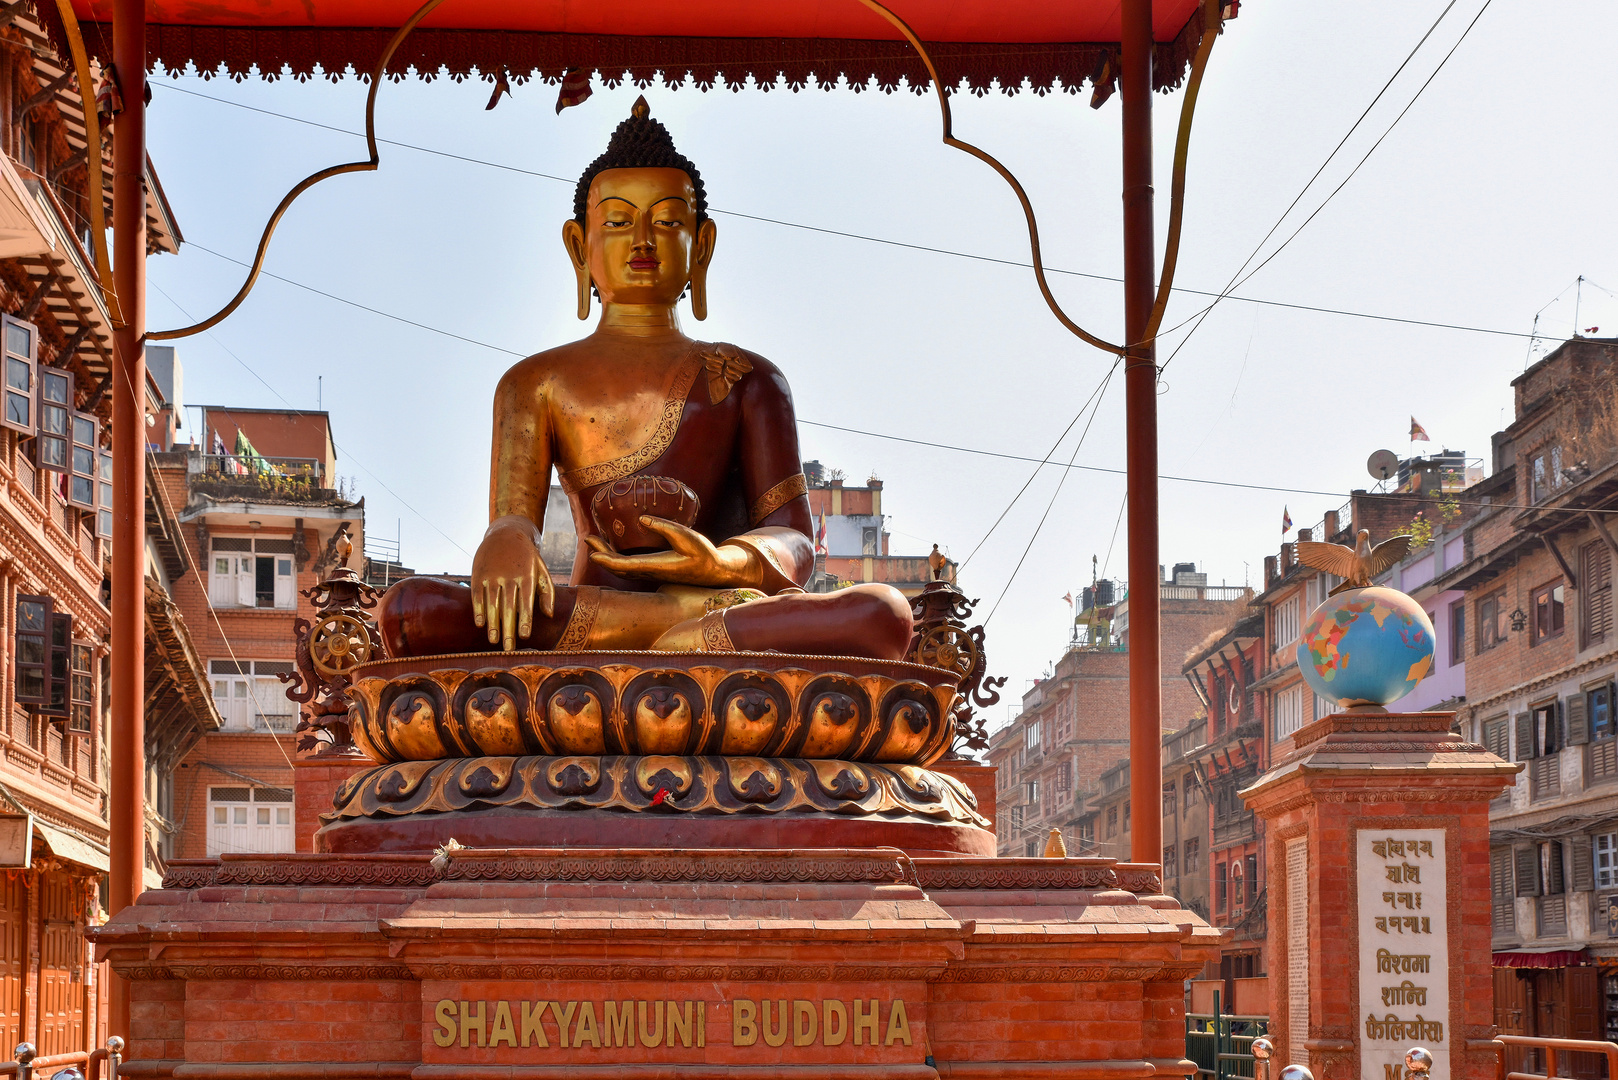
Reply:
x=942, y=640
x=342, y=637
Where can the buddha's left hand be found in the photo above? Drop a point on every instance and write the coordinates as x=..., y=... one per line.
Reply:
x=692, y=559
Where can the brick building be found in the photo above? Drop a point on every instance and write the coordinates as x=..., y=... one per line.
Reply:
x=259, y=518
x=1535, y=568
x=1074, y=725
x=55, y=523
x=857, y=545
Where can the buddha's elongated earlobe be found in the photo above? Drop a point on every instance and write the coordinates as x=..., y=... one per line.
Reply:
x=573, y=241
x=700, y=258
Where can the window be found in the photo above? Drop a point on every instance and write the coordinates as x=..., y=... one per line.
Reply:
x=1545, y=473
x=1031, y=849
x=104, y=497
x=1549, y=612
x=21, y=340
x=1548, y=729
x=1126, y=816
x=1221, y=883
x=1491, y=620
x=55, y=413
x=1031, y=736
x=1236, y=900
x=249, y=696
x=1595, y=606
x=1288, y=711
x=1112, y=822
x=1286, y=622
x=248, y=572
x=1602, y=763
x=1169, y=790
x=1170, y=869
x=1325, y=707
x=1190, y=792
x=242, y=819
x=1192, y=854
x=33, y=650
x=1606, y=852
x=1064, y=780
x=1457, y=633
x=1495, y=737
x=81, y=694
x=868, y=542
x=82, y=465
x=1016, y=817
x=1501, y=892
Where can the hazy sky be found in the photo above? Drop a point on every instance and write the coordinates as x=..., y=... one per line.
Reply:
x=1487, y=201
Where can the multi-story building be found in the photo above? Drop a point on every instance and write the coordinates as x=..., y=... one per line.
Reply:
x=856, y=547
x=1074, y=724
x=55, y=525
x=259, y=516
x=1535, y=568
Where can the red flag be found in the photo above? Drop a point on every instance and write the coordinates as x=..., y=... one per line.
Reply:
x=1286, y=520
x=1592, y=329
x=1068, y=599
x=1417, y=432
x=575, y=88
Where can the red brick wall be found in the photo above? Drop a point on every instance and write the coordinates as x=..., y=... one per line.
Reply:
x=251, y=754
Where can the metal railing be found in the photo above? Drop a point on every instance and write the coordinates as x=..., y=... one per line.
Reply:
x=1221, y=1043
x=1532, y=1051
x=67, y=1066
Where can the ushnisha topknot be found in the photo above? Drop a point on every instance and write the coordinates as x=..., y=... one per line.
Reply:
x=640, y=143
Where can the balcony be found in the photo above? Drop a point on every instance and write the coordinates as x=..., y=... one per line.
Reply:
x=1233, y=830
x=261, y=479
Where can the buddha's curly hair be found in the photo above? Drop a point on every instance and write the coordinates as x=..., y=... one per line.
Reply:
x=640, y=143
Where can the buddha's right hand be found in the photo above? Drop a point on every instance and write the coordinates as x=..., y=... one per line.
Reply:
x=507, y=576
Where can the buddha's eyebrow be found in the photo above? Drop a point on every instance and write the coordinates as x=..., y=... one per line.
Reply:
x=675, y=198
x=609, y=198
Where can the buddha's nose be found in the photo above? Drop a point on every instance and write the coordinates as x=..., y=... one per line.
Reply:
x=643, y=234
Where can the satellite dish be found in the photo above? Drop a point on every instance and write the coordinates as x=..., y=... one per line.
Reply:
x=1383, y=464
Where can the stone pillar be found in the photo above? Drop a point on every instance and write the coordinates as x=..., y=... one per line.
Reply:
x=1378, y=827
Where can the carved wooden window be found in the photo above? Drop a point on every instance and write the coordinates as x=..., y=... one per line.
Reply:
x=20, y=345
x=52, y=450
x=1171, y=862
x=1457, y=633
x=1193, y=855
x=33, y=650
x=61, y=663
x=1220, y=885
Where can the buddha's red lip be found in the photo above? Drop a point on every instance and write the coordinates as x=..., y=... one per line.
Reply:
x=644, y=264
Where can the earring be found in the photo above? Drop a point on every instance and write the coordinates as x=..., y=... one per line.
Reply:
x=582, y=276
x=699, y=293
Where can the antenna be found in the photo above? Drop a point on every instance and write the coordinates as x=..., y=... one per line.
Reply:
x=1578, y=295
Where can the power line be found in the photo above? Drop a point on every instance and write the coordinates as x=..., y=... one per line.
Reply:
x=1234, y=283
x=294, y=409
x=1217, y=296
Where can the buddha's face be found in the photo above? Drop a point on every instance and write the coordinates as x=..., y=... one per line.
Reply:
x=641, y=240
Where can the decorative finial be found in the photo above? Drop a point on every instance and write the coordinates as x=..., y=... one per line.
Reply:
x=1055, y=847
x=640, y=110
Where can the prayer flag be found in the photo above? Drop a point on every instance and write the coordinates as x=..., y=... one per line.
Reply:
x=1069, y=599
x=1417, y=432
x=1286, y=521
x=575, y=88
x=820, y=535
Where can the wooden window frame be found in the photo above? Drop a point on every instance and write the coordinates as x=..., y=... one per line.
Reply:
x=84, y=448
x=1491, y=612
x=1457, y=632
x=15, y=394
x=60, y=674
x=81, y=695
x=49, y=441
x=1554, y=593
x=104, y=495
x=43, y=665
x=1595, y=593
x=1193, y=853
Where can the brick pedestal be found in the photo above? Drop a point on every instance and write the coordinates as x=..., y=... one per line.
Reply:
x=1379, y=936
x=623, y=964
x=315, y=779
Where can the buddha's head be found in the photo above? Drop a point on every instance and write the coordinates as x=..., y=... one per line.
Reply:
x=640, y=232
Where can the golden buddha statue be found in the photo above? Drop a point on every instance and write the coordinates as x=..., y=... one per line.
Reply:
x=639, y=417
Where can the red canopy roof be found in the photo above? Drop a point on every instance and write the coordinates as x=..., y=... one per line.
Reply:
x=1006, y=40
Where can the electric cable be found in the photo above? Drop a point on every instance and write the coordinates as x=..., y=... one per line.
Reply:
x=1235, y=284
x=300, y=412
x=1099, y=397
x=1014, y=263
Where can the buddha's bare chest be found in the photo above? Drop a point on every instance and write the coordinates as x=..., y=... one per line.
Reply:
x=624, y=410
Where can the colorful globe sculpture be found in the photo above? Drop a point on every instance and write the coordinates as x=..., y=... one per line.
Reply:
x=1366, y=647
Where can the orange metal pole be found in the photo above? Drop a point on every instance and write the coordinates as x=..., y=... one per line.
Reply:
x=128, y=839
x=1140, y=394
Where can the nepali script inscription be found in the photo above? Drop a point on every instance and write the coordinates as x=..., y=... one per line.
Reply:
x=1404, y=950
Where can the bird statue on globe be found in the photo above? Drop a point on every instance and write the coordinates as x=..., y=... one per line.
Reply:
x=1366, y=645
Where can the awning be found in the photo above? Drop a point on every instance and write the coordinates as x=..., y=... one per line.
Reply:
x=1049, y=45
x=24, y=228
x=64, y=845
x=1546, y=958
